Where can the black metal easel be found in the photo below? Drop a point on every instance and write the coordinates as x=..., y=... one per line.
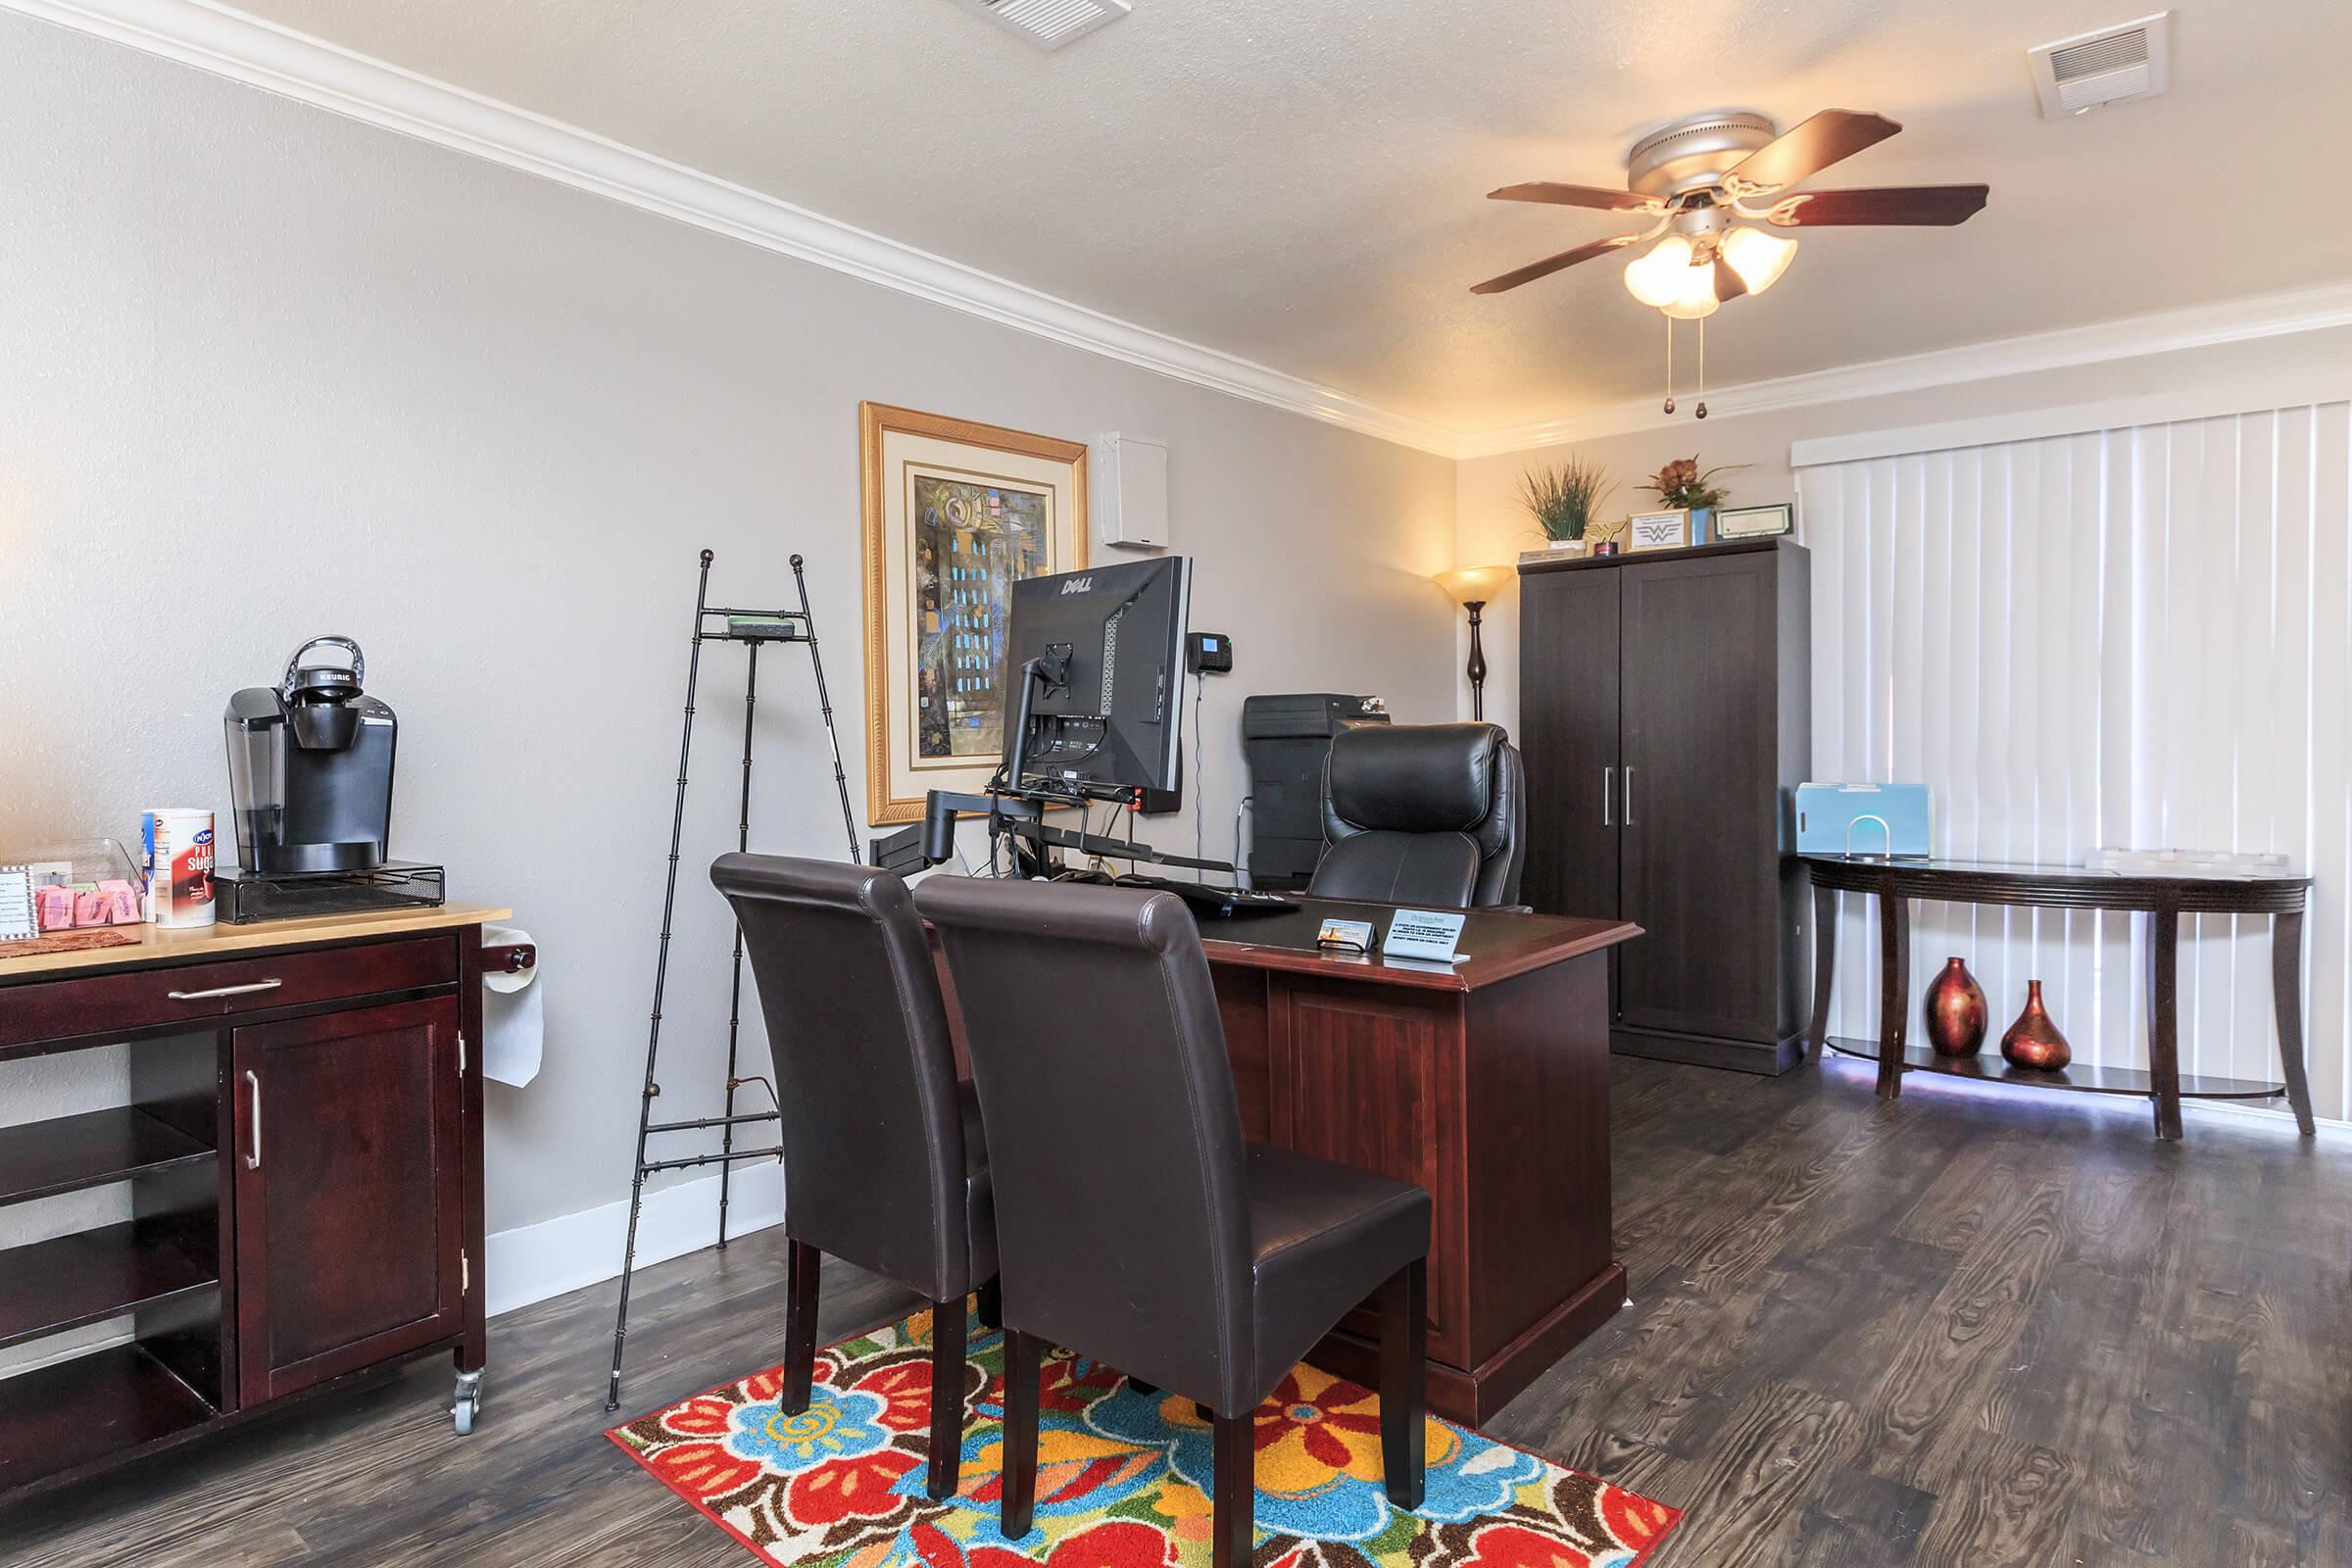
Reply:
x=751, y=628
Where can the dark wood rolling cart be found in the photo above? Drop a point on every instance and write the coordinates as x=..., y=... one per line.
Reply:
x=2164, y=900
x=302, y=1149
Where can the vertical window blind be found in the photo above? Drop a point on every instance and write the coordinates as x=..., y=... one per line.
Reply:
x=2137, y=637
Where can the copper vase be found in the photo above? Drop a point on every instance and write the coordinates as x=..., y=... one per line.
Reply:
x=2034, y=1041
x=1956, y=1015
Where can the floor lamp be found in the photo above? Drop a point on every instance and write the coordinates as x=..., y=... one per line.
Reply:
x=1473, y=587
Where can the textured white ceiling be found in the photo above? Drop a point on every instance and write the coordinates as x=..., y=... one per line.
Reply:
x=1304, y=184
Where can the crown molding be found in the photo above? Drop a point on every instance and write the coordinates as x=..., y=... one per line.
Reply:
x=261, y=54
x=2196, y=327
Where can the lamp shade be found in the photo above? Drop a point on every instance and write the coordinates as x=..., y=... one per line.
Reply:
x=1757, y=256
x=1655, y=277
x=1474, y=584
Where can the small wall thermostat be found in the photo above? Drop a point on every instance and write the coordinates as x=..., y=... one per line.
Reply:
x=1207, y=653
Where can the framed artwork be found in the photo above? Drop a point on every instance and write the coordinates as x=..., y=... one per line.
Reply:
x=1658, y=530
x=956, y=514
x=1756, y=522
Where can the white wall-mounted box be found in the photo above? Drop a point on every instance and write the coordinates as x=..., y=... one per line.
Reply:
x=1130, y=489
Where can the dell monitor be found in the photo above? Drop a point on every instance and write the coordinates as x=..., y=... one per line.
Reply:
x=1095, y=678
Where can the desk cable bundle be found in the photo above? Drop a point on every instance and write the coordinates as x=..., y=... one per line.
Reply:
x=751, y=628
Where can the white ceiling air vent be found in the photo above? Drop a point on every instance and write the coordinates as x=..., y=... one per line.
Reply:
x=1050, y=24
x=2112, y=65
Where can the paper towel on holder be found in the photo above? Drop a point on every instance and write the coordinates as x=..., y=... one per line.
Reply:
x=512, y=1017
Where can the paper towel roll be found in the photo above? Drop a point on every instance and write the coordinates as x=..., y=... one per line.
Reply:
x=512, y=1017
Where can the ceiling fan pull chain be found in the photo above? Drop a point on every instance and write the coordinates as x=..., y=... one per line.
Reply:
x=1702, y=366
x=1669, y=364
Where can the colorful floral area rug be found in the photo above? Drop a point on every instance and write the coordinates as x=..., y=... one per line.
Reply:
x=1122, y=1477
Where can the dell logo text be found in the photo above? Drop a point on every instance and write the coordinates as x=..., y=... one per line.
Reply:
x=1078, y=585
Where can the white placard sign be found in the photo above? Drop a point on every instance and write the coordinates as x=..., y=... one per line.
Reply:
x=1423, y=934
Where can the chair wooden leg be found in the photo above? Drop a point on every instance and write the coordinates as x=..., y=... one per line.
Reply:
x=800, y=1268
x=947, y=1396
x=1233, y=1506
x=1405, y=1381
x=1019, y=1495
x=990, y=1305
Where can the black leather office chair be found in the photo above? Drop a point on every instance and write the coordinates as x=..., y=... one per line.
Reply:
x=1423, y=813
x=884, y=1161
x=1136, y=1225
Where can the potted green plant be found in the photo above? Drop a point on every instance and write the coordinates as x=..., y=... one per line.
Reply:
x=1682, y=484
x=1564, y=499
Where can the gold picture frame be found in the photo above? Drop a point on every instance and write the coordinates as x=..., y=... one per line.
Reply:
x=955, y=511
x=1669, y=529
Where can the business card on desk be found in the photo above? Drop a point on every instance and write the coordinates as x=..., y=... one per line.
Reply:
x=1430, y=934
x=1349, y=936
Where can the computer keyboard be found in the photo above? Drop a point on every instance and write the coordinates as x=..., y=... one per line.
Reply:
x=1211, y=902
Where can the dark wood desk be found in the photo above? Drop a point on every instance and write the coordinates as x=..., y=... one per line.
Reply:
x=2163, y=898
x=1486, y=1081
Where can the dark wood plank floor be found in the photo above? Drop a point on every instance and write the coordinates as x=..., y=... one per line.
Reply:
x=1973, y=1330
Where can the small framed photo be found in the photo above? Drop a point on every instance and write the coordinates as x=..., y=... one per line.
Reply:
x=1657, y=530
x=1756, y=522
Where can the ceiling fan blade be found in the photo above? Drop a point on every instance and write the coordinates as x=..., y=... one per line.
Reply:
x=1810, y=148
x=1729, y=285
x=1543, y=190
x=1554, y=263
x=1939, y=206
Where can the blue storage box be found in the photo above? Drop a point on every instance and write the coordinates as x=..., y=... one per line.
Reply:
x=1869, y=819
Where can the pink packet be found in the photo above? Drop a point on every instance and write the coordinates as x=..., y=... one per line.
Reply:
x=53, y=908
x=122, y=902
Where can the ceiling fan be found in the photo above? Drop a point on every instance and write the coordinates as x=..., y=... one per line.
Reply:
x=1700, y=176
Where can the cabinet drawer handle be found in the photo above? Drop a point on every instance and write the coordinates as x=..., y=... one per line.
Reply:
x=1608, y=787
x=253, y=1099
x=1629, y=797
x=225, y=990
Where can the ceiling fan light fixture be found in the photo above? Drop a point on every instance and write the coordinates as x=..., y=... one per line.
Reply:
x=1696, y=298
x=1658, y=276
x=1757, y=256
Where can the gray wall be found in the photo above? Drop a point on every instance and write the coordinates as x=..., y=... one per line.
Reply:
x=1493, y=527
x=268, y=374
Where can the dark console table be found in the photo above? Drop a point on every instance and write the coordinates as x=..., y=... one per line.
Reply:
x=2163, y=898
x=302, y=1147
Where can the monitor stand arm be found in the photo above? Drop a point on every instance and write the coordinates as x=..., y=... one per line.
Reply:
x=1017, y=815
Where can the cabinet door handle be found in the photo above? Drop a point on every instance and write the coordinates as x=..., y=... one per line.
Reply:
x=225, y=990
x=1629, y=797
x=253, y=1101
x=1608, y=787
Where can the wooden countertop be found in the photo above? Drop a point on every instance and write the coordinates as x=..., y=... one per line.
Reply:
x=158, y=944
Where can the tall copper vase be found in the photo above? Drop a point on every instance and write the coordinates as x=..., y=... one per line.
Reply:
x=2034, y=1041
x=1956, y=1015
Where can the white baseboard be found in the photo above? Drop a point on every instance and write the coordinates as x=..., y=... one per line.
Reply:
x=532, y=1263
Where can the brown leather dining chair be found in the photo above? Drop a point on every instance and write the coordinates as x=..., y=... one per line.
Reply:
x=1136, y=1225
x=884, y=1162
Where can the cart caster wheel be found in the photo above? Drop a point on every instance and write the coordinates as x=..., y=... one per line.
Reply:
x=467, y=1403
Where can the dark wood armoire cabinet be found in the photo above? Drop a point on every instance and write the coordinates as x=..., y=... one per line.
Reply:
x=1664, y=713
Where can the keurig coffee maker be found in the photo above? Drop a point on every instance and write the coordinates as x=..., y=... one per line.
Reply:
x=310, y=779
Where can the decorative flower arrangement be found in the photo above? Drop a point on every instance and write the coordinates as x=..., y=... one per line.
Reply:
x=1564, y=499
x=1681, y=483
